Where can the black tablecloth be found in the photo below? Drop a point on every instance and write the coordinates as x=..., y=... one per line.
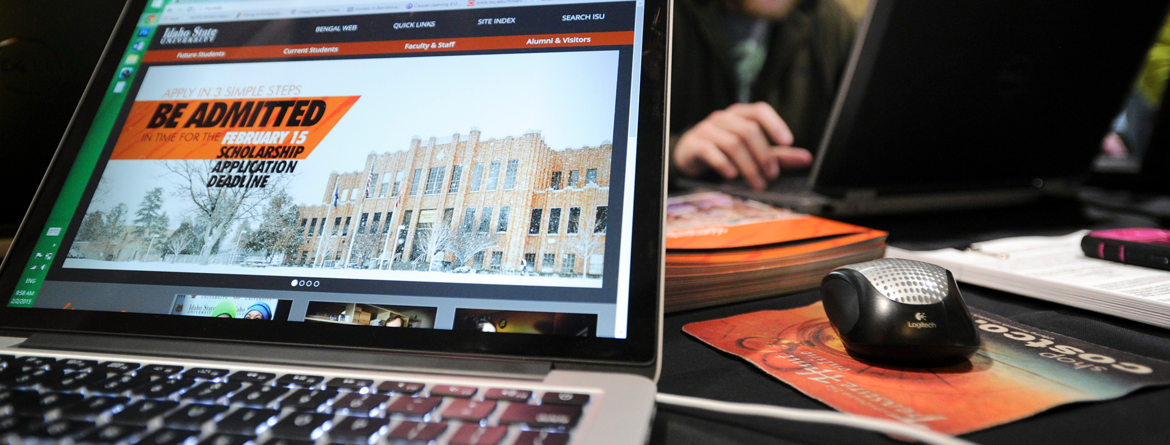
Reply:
x=692, y=368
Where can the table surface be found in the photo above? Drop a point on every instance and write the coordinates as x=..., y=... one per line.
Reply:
x=692, y=368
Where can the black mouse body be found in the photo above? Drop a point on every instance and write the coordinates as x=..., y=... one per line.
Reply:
x=899, y=312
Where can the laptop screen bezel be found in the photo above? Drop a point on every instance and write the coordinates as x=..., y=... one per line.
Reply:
x=639, y=348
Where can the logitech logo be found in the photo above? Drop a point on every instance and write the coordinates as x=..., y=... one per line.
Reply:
x=921, y=324
x=920, y=316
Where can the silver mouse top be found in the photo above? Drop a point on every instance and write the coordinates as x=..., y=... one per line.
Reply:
x=905, y=281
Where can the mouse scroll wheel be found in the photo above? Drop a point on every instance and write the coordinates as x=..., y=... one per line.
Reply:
x=906, y=281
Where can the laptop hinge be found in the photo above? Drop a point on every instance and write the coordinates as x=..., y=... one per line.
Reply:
x=364, y=359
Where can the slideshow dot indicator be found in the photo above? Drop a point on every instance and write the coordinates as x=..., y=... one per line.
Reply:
x=294, y=283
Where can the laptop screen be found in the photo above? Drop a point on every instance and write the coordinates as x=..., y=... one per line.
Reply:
x=456, y=165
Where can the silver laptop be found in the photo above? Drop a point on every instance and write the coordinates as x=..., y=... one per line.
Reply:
x=970, y=103
x=329, y=222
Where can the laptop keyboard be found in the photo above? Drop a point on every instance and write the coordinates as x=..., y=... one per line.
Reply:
x=67, y=400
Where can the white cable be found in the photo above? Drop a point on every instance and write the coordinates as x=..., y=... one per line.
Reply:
x=803, y=415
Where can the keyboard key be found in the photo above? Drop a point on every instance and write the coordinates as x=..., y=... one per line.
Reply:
x=12, y=423
x=470, y=434
x=16, y=396
x=564, y=398
x=7, y=360
x=118, y=367
x=511, y=395
x=74, y=364
x=258, y=395
x=193, y=416
x=227, y=439
x=414, y=406
x=205, y=373
x=408, y=388
x=118, y=384
x=541, y=415
x=163, y=388
x=309, y=400
x=417, y=431
x=31, y=377
x=279, y=441
x=111, y=434
x=454, y=391
x=142, y=412
x=160, y=370
x=59, y=430
x=210, y=391
x=541, y=438
x=358, y=429
x=302, y=426
x=36, y=407
x=251, y=376
x=348, y=383
x=29, y=362
x=359, y=404
x=91, y=408
x=72, y=380
x=169, y=437
x=300, y=380
x=470, y=410
x=246, y=421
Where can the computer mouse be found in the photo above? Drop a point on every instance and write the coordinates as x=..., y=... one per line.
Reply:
x=899, y=312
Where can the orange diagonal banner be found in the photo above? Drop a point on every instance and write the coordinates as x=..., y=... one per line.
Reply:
x=283, y=128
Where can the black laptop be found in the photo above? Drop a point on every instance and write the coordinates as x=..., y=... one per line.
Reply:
x=410, y=222
x=971, y=103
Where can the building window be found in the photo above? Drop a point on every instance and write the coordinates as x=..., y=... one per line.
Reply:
x=345, y=195
x=574, y=176
x=599, y=221
x=468, y=219
x=510, y=174
x=374, y=223
x=372, y=184
x=485, y=220
x=502, y=223
x=591, y=176
x=574, y=221
x=435, y=180
x=497, y=260
x=304, y=256
x=477, y=261
x=555, y=183
x=385, y=185
x=554, y=221
x=397, y=182
x=400, y=245
x=534, y=223
x=321, y=231
x=336, y=226
x=312, y=226
x=304, y=222
x=456, y=173
x=386, y=228
x=569, y=263
x=414, y=178
x=529, y=262
x=493, y=178
x=417, y=250
x=550, y=260
x=476, y=176
x=448, y=216
x=362, y=223
x=345, y=230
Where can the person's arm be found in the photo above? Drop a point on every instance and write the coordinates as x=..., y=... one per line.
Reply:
x=734, y=142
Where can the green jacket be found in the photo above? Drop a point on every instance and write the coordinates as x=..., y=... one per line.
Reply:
x=807, y=55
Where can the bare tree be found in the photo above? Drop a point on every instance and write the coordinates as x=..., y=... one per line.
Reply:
x=586, y=244
x=434, y=241
x=468, y=243
x=181, y=239
x=219, y=207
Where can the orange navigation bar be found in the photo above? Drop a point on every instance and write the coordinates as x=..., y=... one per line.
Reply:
x=392, y=47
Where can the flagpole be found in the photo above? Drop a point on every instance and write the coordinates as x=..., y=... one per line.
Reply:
x=392, y=231
x=353, y=235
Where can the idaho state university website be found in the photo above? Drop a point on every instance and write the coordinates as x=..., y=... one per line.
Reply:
x=445, y=169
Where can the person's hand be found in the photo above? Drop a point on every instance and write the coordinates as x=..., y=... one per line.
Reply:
x=733, y=143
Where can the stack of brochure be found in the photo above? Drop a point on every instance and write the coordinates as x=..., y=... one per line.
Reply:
x=721, y=249
x=1054, y=269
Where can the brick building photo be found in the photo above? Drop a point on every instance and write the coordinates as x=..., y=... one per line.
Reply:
x=506, y=205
